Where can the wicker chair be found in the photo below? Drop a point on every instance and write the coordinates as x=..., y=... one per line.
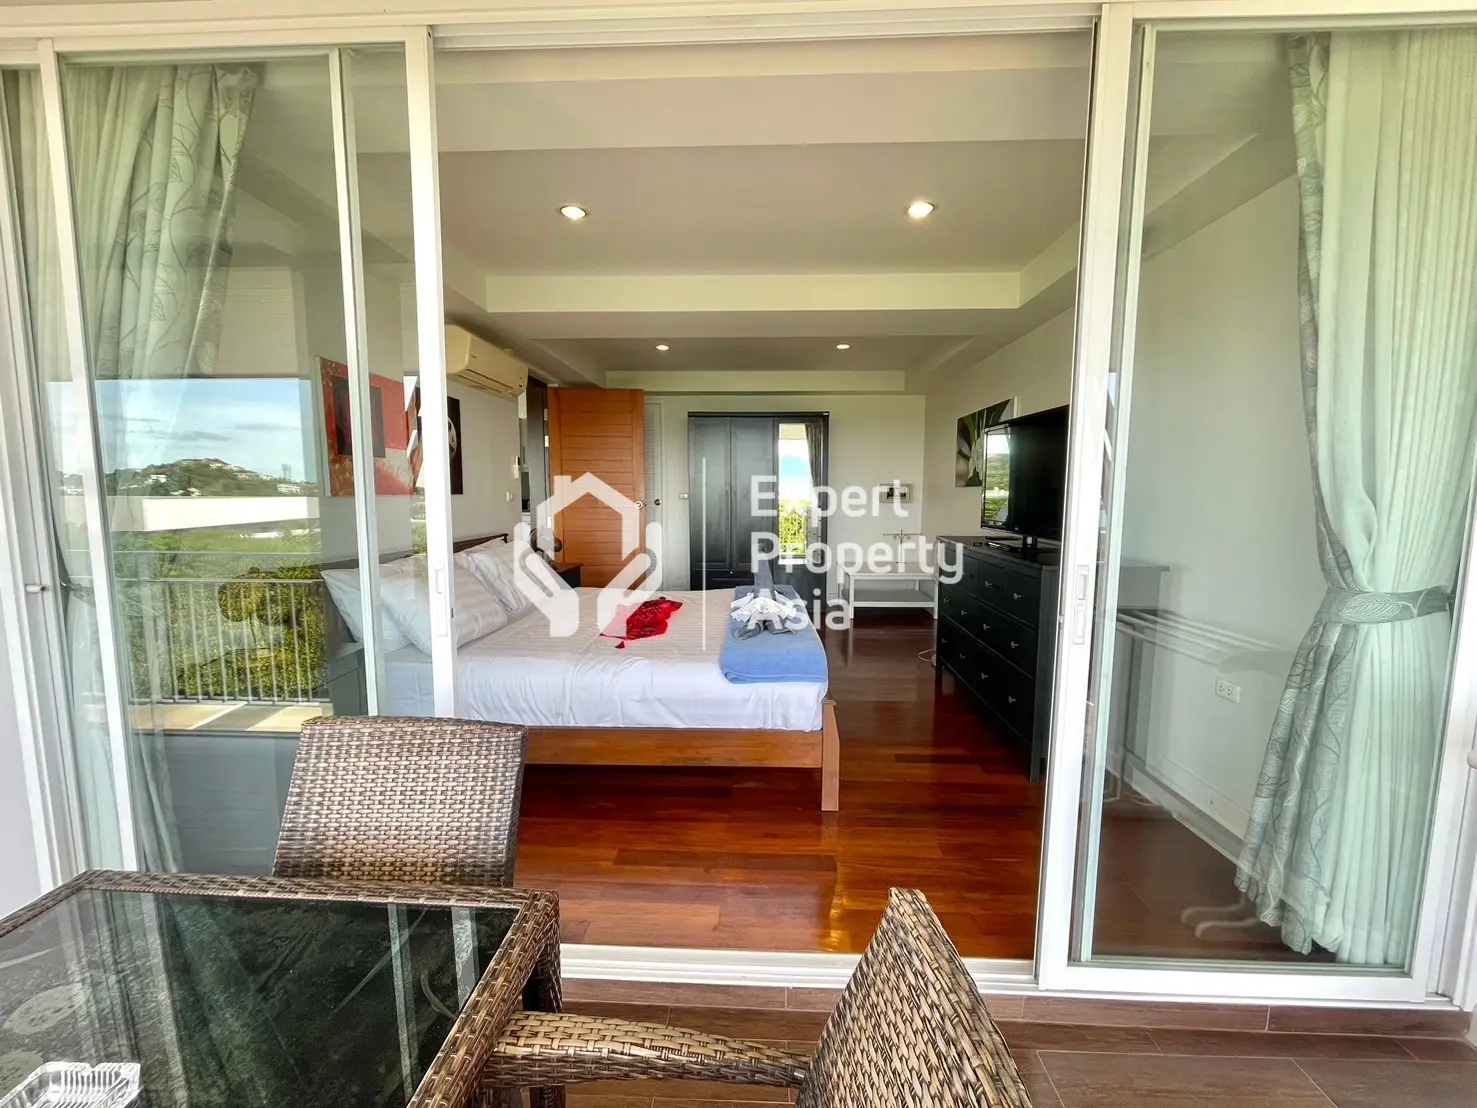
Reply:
x=911, y=1028
x=386, y=798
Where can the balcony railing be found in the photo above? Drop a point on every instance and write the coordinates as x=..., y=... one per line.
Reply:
x=247, y=639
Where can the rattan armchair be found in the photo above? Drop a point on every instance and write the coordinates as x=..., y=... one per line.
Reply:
x=910, y=1029
x=391, y=798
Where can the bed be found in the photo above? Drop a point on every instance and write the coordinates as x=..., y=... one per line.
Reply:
x=656, y=702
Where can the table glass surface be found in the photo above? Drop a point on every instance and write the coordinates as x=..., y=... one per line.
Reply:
x=242, y=1002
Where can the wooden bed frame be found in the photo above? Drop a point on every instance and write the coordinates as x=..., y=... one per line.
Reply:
x=680, y=746
x=702, y=746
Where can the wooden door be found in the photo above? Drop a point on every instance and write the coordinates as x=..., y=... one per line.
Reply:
x=602, y=432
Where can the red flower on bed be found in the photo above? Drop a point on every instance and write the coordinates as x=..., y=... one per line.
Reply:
x=647, y=620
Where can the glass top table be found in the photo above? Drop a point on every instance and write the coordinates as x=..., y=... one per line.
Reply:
x=247, y=991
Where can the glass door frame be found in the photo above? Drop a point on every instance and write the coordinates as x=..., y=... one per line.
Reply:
x=1106, y=310
x=415, y=41
x=29, y=600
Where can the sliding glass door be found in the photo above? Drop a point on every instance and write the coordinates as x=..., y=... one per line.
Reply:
x=220, y=255
x=1285, y=436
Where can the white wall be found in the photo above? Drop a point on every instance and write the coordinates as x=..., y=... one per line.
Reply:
x=874, y=440
x=493, y=501
x=1218, y=489
x=1036, y=369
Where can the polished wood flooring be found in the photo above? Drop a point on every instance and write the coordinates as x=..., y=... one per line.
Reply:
x=744, y=859
x=931, y=798
x=1066, y=1065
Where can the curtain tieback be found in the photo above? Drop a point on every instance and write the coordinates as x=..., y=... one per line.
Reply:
x=1357, y=606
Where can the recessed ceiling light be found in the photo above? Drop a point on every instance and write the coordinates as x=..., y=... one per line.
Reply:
x=662, y=346
x=921, y=209
x=843, y=346
x=576, y=213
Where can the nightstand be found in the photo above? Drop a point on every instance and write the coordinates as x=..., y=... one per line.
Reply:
x=569, y=571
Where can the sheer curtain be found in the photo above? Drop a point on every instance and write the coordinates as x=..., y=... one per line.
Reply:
x=154, y=151
x=1387, y=166
x=815, y=448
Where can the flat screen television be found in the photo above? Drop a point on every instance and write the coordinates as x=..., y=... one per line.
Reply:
x=1026, y=475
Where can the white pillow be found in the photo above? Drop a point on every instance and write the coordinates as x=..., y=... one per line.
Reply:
x=492, y=562
x=407, y=600
x=344, y=587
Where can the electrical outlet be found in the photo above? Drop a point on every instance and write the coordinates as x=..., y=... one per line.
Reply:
x=1228, y=690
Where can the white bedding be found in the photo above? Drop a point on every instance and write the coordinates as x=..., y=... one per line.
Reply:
x=521, y=675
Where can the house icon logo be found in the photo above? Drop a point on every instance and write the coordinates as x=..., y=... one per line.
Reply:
x=638, y=579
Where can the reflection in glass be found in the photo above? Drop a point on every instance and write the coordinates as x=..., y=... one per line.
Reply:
x=1295, y=482
x=995, y=491
x=206, y=208
x=243, y=1002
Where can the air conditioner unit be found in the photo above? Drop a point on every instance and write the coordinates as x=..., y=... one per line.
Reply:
x=482, y=365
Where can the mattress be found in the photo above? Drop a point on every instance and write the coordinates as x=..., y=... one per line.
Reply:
x=521, y=675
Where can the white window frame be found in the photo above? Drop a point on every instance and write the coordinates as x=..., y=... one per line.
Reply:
x=48, y=746
x=356, y=339
x=99, y=541
x=1436, y=961
x=29, y=602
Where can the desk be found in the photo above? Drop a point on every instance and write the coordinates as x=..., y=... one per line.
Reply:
x=265, y=991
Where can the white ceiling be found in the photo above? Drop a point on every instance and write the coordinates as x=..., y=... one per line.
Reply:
x=762, y=209
x=736, y=193
x=869, y=353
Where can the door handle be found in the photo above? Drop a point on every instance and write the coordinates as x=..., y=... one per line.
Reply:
x=1079, y=605
x=33, y=590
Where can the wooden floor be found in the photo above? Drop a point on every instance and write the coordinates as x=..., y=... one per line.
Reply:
x=930, y=799
x=1071, y=1066
x=743, y=859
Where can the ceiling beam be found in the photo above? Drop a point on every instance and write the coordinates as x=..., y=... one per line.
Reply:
x=865, y=56
x=751, y=292
x=768, y=382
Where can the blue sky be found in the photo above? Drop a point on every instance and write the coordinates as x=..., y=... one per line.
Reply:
x=261, y=423
x=794, y=470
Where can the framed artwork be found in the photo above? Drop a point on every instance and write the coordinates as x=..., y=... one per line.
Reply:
x=389, y=432
x=969, y=442
x=453, y=432
x=454, y=417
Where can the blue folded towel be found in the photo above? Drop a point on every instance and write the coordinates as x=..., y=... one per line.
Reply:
x=796, y=656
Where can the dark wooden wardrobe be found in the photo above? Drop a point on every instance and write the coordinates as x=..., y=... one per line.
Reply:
x=725, y=452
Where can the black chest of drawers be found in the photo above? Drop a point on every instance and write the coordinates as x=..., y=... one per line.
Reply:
x=997, y=635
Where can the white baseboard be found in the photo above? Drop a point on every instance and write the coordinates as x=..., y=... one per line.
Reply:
x=781, y=969
x=757, y=968
x=1206, y=827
